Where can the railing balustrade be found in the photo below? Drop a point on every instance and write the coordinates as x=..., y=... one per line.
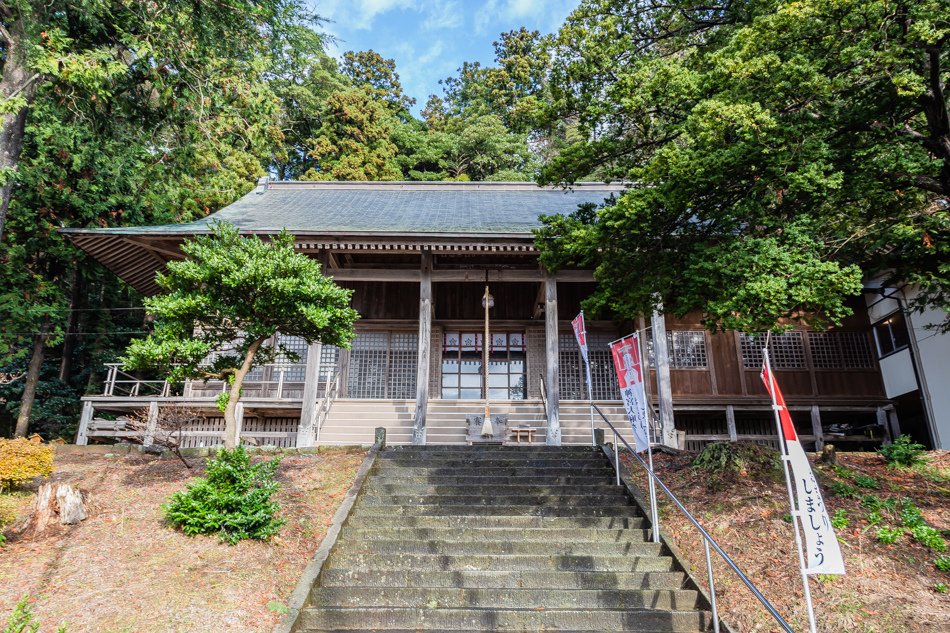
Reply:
x=708, y=540
x=121, y=384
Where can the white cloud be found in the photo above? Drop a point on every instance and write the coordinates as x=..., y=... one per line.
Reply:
x=442, y=15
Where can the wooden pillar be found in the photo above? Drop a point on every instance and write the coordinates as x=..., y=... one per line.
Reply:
x=894, y=425
x=306, y=429
x=731, y=423
x=881, y=415
x=425, y=350
x=551, y=356
x=664, y=389
x=816, y=429
x=82, y=437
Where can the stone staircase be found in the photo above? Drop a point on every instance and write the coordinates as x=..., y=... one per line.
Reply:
x=499, y=539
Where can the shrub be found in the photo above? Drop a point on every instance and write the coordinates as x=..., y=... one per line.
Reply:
x=22, y=620
x=942, y=563
x=889, y=535
x=9, y=509
x=902, y=452
x=865, y=481
x=736, y=458
x=21, y=460
x=911, y=516
x=233, y=500
x=842, y=489
x=840, y=519
x=929, y=537
x=941, y=587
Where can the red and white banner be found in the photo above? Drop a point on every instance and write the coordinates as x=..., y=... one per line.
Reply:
x=580, y=331
x=626, y=355
x=822, y=552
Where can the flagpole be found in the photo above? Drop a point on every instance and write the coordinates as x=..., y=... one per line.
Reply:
x=654, y=511
x=590, y=389
x=796, y=515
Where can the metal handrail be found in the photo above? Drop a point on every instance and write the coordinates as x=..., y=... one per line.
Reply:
x=708, y=540
x=544, y=398
x=329, y=396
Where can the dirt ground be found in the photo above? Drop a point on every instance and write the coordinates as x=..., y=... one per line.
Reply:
x=124, y=569
x=888, y=588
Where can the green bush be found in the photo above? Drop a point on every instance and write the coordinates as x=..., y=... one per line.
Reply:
x=889, y=535
x=942, y=563
x=911, y=516
x=902, y=452
x=840, y=519
x=865, y=481
x=736, y=457
x=22, y=460
x=842, y=489
x=233, y=500
x=929, y=537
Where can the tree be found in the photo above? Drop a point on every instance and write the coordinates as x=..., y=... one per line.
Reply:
x=371, y=71
x=354, y=140
x=229, y=296
x=781, y=151
x=95, y=50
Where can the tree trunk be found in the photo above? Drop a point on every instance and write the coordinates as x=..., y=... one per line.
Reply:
x=230, y=419
x=53, y=503
x=32, y=379
x=18, y=82
x=69, y=341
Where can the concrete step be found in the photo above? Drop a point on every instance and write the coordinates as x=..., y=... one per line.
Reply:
x=506, y=579
x=493, y=461
x=493, y=619
x=496, y=471
x=470, y=490
x=494, y=510
x=521, y=521
x=502, y=497
x=473, y=534
x=345, y=559
x=499, y=548
x=504, y=598
x=492, y=480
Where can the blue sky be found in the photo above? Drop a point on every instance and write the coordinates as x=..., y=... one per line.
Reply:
x=430, y=40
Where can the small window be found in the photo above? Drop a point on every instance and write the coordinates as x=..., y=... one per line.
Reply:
x=891, y=335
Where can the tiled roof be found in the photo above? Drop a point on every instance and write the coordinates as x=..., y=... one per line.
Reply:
x=393, y=207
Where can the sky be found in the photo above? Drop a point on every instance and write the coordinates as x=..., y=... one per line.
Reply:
x=430, y=39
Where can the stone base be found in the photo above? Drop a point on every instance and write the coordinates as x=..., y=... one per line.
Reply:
x=474, y=424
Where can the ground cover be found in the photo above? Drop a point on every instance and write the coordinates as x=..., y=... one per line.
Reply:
x=124, y=569
x=891, y=522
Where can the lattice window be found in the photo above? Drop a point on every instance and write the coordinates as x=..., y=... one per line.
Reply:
x=294, y=370
x=383, y=365
x=329, y=357
x=786, y=350
x=686, y=349
x=571, y=378
x=840, y=350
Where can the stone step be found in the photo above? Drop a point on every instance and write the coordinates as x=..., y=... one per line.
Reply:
x=502, y=498
x=492, y=619
x=504, y=598
x=604, y=488
x=506, y=579
x=396, y=477
x=495, y=510
x=520, y=521
x=426, y=461
x=533, y=449
x=601, y=470
x=479, y=534
x=345, y=559
x=486, y=547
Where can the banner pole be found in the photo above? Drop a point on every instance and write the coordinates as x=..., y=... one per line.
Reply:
x=651, y=436
x=796, y=515
x=590, y=389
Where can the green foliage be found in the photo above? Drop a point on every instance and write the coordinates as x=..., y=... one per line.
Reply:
x=734, y=457
x=929, y=537
x=888, y=536
x=942, y=563
x=840, y=519
x=902, y=452
x=22, y=460
x=772, y=171
x=941, y=587
x=230, y=294
x=233, y=500
x=866, y=481
x=22, y=620
x=910, y=514
x=842, y=489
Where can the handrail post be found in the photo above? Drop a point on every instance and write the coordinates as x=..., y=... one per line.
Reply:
x=280, y=382
x=712, y=588
x=617, y=458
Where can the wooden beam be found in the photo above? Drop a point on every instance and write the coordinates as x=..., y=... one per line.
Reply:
x=538, y=303
x=551, y=360
x=425, y=347
x=731, y=423
x=816, y=428
x=467, y=275
x=384, y=275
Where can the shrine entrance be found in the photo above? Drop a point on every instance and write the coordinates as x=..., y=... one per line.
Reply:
x=462, y=358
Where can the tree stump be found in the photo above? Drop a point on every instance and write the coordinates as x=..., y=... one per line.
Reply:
x=54, y=502
x=829, y=455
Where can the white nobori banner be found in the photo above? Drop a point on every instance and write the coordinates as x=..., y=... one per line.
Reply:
x=822, y=552
x=626, y=355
